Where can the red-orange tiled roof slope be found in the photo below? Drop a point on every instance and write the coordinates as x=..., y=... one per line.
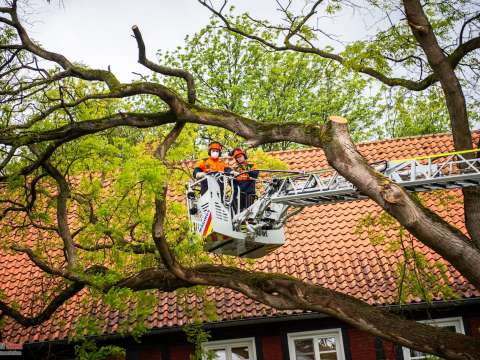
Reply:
x=323, y=247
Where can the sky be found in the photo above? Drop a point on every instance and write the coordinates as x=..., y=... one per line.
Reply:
x=98, y=32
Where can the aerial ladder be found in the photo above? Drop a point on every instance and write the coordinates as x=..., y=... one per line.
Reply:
x=259, y=229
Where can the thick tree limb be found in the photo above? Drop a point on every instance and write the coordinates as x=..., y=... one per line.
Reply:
x=63, y=195
x=158, y=279
x=418, y=220
x=47, y=312
x=455, y=99
x=280, y=292
x=76, y=130
x=73, y=131
x=286, y=293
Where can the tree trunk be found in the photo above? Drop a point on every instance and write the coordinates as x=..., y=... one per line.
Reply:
x=286, y=293
x=421, y=222
x=455, y=99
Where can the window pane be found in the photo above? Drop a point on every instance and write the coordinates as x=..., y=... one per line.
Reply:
x=240, y=353
x=326, y=344
x=329, y=356
x=416, y=354
x=451, y=328
x=304, y=349
x=219, y=354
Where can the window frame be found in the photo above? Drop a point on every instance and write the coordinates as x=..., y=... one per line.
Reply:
x=336, y=333
x=456, y=321
x=229, y=343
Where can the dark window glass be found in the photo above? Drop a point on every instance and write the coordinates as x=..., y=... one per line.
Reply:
x=240, y=353
x=304, y=349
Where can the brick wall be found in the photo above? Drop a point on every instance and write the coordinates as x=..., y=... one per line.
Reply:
x=150, y=353
x=389, y=350
x=362, y=345
x=180, y=352
x=271, y=348
x=270, y=340
x=473, y=325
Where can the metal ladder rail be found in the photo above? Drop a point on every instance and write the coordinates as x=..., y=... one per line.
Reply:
x=455, y=171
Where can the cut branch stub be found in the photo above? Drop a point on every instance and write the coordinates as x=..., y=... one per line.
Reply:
x=338, y=119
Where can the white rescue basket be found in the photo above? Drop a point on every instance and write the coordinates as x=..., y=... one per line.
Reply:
x=213, y=216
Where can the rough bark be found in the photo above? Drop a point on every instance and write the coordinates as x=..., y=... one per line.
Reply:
x=443, y=66
x=284, y=293
x=275, y=290
x=455, y=100
x=471, y=207
x=437, y=234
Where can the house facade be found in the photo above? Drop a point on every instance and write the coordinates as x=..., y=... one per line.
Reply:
x=325, y=245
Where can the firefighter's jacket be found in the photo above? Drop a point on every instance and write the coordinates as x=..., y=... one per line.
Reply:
x=210, y=165
x=246, y=181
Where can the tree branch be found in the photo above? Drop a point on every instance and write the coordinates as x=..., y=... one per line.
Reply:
x=161, y=151
x=73, y=131
x=287, y=293
x=47, y=312
x=419, y=85
x=62, y=210
x=122, y=245
x=473, y=18
x=76, y=70
x=165, y=70
x=455, y=99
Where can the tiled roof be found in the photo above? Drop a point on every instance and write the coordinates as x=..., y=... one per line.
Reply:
x=323, y=247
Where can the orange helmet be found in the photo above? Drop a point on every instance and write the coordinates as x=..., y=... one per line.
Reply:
x=215, y=146
x=238, y=151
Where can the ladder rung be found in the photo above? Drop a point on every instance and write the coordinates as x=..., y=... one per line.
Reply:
x=425, y=178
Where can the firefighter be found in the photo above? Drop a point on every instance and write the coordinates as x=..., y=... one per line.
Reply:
x=245, y=174
x=212, y=164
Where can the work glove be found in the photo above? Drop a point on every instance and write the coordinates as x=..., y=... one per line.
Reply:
x=200, y=175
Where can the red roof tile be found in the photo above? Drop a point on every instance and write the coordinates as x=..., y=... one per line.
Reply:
x=323, y=247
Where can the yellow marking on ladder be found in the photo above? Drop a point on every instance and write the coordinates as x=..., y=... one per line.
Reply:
x=437, y=155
